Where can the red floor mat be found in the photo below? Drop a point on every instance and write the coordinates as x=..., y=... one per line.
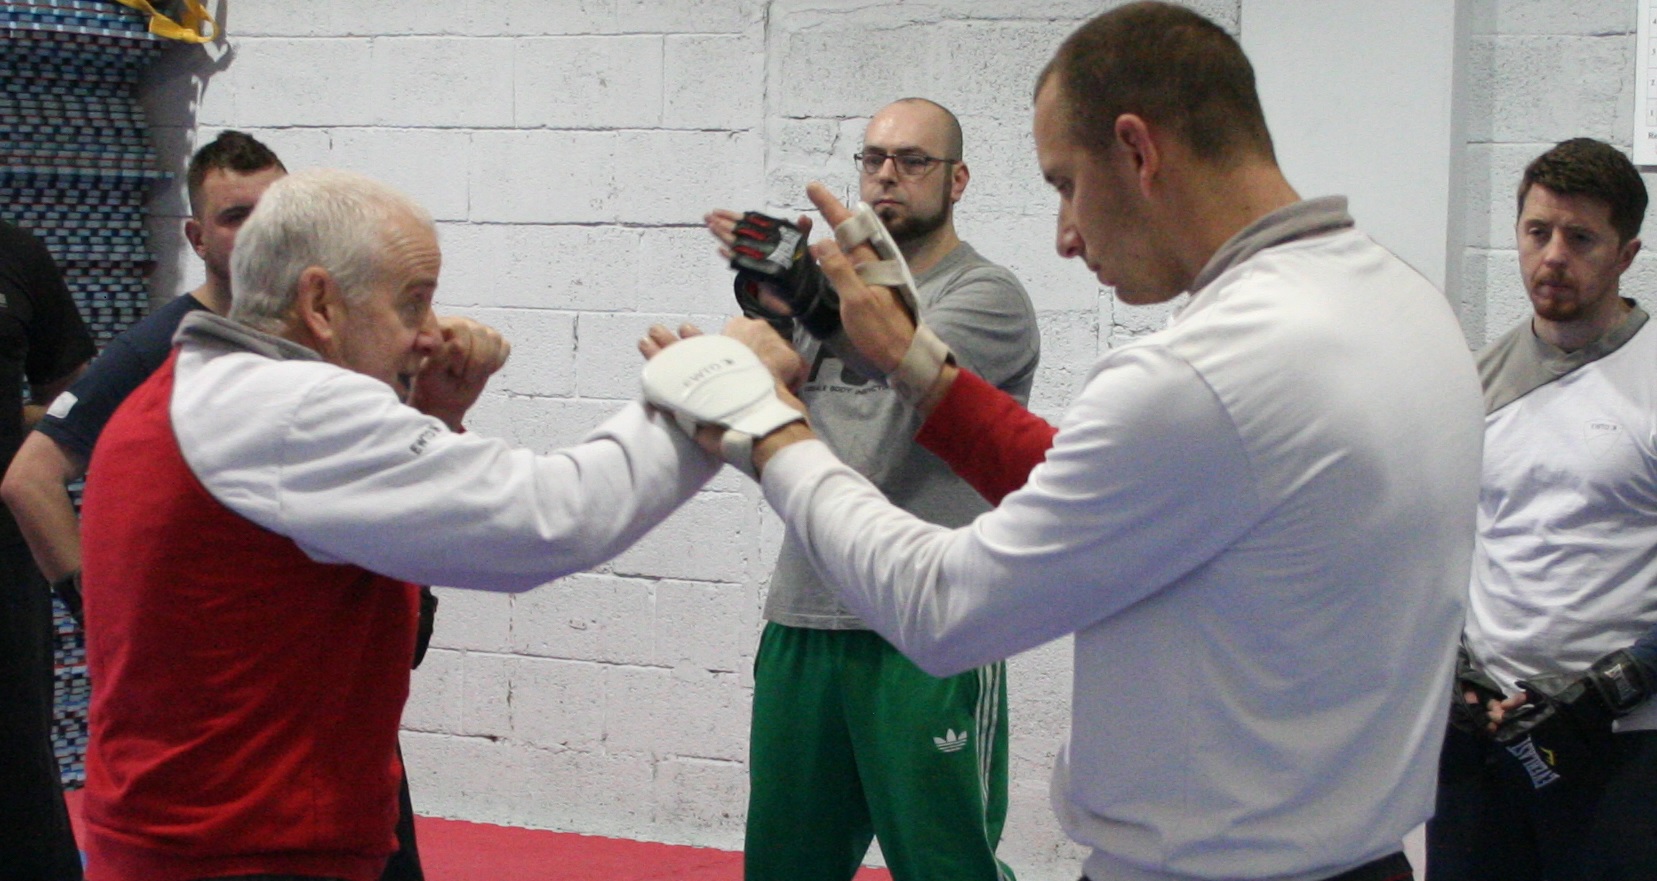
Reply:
x=454, y=850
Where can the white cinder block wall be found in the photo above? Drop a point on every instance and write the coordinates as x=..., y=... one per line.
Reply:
x=567, y=149
x=1541, y=71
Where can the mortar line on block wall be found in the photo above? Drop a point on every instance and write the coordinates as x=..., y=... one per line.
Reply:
x=709, y=760
x=600, y=130
x=492, y=738
x=507, y=654
x=656, y=580
x=512, y=621
x=509, y=395
x=600, y=663
x=505, y=129
x=575, y=350
x=511, y=684
x=765, y=89
x=572, y=224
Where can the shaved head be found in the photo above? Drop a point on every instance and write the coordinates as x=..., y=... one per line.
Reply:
x=951, y=127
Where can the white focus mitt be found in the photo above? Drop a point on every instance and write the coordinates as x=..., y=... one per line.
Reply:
x=716, y=380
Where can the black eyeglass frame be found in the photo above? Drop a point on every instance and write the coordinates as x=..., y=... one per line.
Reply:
x=904, y=162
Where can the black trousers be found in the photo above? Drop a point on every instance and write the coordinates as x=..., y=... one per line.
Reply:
x=1488, y=826
x=36, y=841
x=404, y=865
x=1393, y=867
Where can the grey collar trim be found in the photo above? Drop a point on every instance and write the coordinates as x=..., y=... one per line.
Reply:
x=1520, y=362
x=213, y=329
x=1302, y=220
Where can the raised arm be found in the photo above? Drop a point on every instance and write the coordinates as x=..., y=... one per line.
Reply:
x=981, y=432
x=451, y=379
x=352, y=475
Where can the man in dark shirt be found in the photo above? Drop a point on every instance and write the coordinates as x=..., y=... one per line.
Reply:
x=43, y=340
x=225, y=178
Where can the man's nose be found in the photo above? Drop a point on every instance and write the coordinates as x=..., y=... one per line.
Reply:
x=1069, y=242
x=429, y=336
x=1556, y=251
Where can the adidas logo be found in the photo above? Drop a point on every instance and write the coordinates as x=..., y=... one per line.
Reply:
x=950, y=742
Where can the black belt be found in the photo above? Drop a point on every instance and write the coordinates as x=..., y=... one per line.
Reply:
x=1393, y=867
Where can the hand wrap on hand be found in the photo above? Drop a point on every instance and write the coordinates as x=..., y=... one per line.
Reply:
x=716, y=380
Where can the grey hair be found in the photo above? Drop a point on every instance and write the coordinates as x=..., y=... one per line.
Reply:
x=318, y=217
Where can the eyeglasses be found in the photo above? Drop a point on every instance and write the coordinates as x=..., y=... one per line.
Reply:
x=908, y=164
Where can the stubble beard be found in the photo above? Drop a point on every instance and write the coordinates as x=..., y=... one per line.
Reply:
x=1583, y=306
x=908, y=228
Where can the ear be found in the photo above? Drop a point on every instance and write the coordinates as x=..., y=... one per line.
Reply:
x=319, y=309
x=958, y=181
x=1134, y=137
x=1625, y=254
x=193, y=234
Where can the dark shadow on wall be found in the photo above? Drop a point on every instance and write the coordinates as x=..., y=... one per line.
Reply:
x=172, y=92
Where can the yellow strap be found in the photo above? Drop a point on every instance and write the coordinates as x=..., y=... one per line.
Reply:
x=188, y=30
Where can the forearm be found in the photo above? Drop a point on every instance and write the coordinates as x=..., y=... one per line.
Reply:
x=1117, y=514
x=902, y=575
x=475, y=513
x=34, y=491
x=983, y=434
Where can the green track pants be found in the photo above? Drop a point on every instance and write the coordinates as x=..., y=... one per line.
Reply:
x=852, y=740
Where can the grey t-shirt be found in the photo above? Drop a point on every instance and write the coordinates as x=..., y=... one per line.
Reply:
x=985, y=316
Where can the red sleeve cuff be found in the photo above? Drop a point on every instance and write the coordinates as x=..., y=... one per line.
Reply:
x=986, y=436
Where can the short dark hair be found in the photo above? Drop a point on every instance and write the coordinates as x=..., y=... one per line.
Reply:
x=1169, y=65
x=230, y=151
x=1586, y=167
x=954, y=143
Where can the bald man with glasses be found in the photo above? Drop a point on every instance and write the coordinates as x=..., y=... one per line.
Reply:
x=849, y=738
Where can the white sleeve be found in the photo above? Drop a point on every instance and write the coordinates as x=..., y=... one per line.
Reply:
x=1147, y=480
x=353, y=475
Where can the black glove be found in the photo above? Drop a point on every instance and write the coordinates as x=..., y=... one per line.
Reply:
x=772, y=252
x=68, y=589
x=1472, y=718
x=1620, y=682
x=428, y=621
x=1564, y=733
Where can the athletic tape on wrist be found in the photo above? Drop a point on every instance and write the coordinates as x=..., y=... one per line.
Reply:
x=918, y=372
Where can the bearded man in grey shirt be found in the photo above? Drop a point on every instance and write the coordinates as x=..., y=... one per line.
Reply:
x=849, y=738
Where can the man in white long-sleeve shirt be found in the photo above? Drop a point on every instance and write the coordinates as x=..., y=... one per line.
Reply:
x=1549, y=771
x=1257, y=523
x=258, y=515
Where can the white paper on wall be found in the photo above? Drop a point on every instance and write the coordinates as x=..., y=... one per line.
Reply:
x=1645, y=95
